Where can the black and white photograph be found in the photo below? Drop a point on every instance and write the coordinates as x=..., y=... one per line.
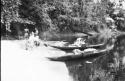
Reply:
x=62, y=40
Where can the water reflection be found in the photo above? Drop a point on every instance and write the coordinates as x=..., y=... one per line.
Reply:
x=108, y=67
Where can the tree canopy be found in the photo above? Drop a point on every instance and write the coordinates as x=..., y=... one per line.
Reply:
x=64, y=15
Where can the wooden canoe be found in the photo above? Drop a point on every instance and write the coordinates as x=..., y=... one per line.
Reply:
x=82, y=55
x=79, y=56
x=66, y=48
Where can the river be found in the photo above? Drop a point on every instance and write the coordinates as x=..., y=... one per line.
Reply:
x=109, y=67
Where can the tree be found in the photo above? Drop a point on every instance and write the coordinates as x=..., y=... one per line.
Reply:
x=10, y=13
x=62, y=15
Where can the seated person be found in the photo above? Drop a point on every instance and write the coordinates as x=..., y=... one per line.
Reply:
x=77, y=51
x=86, y=51
x=32, y=41
x=79, y=42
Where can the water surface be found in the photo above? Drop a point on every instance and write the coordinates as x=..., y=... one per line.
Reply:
x=109, y=67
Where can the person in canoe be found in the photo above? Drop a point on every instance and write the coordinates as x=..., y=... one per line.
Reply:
x=88, y=50
x=79, y=42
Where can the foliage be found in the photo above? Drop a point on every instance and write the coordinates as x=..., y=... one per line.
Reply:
x=10, y=13
x=64, y=15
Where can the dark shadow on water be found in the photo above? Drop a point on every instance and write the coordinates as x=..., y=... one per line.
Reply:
x=108, y=67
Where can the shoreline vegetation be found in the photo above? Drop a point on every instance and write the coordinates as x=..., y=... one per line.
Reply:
x=62, y=36
x=54, y=18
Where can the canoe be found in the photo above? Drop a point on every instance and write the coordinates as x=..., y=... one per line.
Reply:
x=82, y=55
x=79, y=56
x=66, y=48
x=73, y=56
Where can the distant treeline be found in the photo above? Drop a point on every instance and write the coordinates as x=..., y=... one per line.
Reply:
x=57, y=16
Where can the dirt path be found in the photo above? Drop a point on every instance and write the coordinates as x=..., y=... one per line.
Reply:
x=18, y=64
